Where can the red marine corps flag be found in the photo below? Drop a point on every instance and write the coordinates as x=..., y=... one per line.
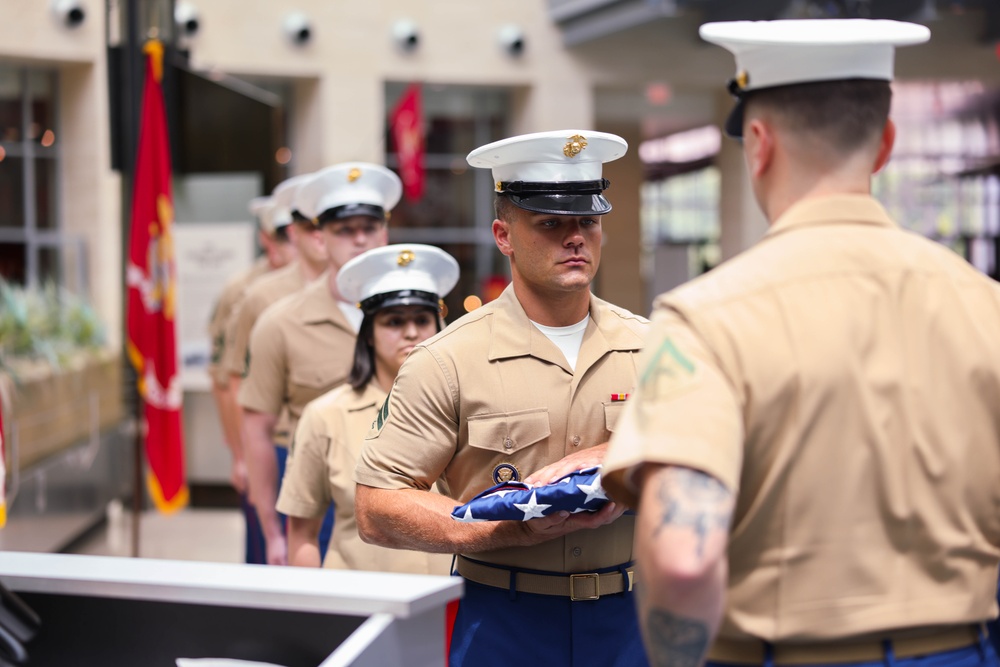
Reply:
x=407, y=133
x=152, y=294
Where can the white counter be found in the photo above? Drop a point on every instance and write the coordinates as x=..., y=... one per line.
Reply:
x=400, y=608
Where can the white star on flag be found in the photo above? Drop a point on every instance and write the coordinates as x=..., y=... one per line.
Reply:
x=531, y=509
x=594, y=491
x=503, y=492
x=468, y=518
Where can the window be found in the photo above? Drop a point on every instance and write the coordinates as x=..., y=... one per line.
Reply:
x=31, y=247
x=456, y=210
x=943, y=180
x=680, y=216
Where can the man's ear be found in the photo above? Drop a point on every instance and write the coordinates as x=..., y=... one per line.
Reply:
x=758, y=146
x=885, y=145
x=501, y=234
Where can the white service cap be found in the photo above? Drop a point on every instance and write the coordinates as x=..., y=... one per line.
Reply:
x=284, y=197
x=403, y=274
x=260, y=208
x=552, y=172
x=782, y=53
x=348, y=189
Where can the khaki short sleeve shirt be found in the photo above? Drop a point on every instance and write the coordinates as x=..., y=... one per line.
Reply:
x=300, y=348
x=491, y=395
x=325, y=450
x=264, y=292
x=843, y=376
x=229, y=298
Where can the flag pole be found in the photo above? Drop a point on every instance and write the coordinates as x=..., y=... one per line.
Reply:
x=135, y=69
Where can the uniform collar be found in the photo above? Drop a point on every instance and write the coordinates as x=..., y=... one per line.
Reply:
x=319, y=306
x=370, y=395
x=511, y=323
x=833, y=210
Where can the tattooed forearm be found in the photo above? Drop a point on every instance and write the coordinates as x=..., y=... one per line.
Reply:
x=674, y=640
x=691, y=499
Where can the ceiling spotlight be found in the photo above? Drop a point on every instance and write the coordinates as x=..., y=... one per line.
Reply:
x=69, y=12
x=298, y=28
x=187, y=19
x=405, y=34
x=511, y=39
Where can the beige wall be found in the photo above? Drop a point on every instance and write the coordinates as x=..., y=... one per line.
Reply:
x=345, y=66
x=338, y=90
x=89, y=191
x=620, y=279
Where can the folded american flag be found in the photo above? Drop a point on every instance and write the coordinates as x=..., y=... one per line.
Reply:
x=578, y=491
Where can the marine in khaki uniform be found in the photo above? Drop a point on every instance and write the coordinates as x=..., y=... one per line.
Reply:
x=399, y=289
x=522, y=388
x=278, y=252
x=302, y=346
x=310, y=264
x=816, y=436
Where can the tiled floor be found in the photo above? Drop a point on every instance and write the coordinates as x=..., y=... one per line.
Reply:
x=191, y=534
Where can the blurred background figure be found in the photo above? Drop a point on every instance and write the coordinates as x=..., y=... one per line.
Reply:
x=303, y=346
x=272, y=237
x=399, y=290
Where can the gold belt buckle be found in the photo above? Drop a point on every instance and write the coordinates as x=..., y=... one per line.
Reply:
x=573, y=578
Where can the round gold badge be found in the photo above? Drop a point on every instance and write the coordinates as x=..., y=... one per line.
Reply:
x=506, y=472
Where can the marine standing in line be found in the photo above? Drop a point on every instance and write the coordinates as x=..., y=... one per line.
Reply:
x=278, y=252
x=522, y=388
x=399, y=289
x=303, y=346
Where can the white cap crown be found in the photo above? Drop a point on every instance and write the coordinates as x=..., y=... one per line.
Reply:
x=283, y=199
x=350, y=188
x=261, y=208
x=779, y=53
x=556, y=172
x=402, y=267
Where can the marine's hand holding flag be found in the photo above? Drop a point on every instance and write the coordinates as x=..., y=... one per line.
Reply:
x=579, y=491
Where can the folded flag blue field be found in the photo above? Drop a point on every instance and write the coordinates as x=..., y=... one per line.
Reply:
x=579, y=491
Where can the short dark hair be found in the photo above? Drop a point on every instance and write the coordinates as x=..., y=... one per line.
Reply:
x=847, y=114
x=363, y=368
x=504, y=208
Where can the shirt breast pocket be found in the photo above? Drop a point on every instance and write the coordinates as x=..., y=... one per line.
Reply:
x=305, y=384
x=612, y=412
x=509, y=432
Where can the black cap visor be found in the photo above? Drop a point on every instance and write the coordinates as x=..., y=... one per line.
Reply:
x=407, y=297
x=349, y=211
x=562, y=204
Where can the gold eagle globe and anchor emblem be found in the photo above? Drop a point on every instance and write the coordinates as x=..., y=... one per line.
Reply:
x=405, y=257
x=353, y=175
x=574, y=146
x=743, y=79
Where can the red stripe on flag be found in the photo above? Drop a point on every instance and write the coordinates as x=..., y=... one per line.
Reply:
x=151, y=281
x=406, y=122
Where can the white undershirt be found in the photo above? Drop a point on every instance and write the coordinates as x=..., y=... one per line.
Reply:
x=568, y=339
x=353, y=314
